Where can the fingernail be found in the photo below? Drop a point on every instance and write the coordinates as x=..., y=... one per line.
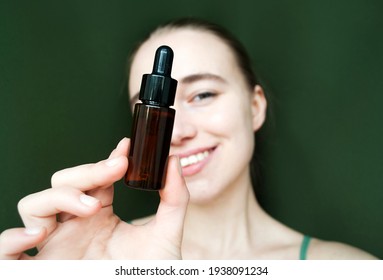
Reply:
x=88, y=200
x=112, y=162
x=179, y=165
x=121, y=141
x=32, y=230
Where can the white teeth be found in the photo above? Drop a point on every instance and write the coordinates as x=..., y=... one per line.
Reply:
x=193, y=159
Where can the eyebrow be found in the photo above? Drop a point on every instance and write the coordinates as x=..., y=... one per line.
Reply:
x=202, y=76
x=189, y=80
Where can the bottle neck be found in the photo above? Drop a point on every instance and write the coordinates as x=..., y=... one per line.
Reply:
x=154, y=103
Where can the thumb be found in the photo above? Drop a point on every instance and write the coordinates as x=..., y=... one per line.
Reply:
x=174, y=201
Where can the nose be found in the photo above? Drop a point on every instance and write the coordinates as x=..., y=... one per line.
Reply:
x=184, y=127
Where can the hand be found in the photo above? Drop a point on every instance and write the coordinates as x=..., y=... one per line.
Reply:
x=74, y=219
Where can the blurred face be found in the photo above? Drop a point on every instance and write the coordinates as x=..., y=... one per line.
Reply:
x=216, y=112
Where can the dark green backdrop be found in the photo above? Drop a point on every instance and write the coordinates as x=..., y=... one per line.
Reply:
x=63, y=101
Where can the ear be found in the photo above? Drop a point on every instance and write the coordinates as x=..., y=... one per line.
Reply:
x=258, y=107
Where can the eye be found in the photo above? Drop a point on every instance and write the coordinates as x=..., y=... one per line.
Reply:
x=203, y=96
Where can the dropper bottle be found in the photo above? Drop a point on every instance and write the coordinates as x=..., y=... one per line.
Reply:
x=153, y=121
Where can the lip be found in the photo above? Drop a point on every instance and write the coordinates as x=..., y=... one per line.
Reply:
x=195, y=168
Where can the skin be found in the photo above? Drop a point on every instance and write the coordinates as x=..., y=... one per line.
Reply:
x=207, y=210
x=222, y=191
x=88, y=228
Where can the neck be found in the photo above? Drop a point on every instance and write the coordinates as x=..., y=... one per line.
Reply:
x=225, y=226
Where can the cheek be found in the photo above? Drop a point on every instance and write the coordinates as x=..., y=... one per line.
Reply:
x=235, y=131
x=237, y=120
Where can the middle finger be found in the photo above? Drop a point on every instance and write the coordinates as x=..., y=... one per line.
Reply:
x=40, y=209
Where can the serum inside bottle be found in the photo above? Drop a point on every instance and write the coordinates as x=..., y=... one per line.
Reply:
x=153, y=121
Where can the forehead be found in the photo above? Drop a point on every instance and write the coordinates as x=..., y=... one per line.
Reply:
x=195, y=51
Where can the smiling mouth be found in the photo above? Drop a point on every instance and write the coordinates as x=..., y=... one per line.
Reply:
x=193, y=159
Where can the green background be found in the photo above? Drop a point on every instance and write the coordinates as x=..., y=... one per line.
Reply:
x=63, y=102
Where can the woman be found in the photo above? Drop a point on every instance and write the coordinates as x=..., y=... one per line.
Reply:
x=208, y=209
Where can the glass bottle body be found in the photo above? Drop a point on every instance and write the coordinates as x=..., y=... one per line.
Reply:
x=150, y=144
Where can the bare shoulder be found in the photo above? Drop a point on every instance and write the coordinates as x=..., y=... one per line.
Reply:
x=326, y=250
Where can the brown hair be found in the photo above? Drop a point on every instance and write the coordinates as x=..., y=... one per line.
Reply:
x=240, y=54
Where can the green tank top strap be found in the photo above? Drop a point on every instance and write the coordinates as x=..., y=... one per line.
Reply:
x=304, y=247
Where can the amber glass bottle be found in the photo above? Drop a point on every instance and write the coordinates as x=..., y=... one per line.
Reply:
x=153, y=121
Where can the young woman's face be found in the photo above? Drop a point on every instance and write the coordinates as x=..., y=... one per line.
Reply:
x=216, y=112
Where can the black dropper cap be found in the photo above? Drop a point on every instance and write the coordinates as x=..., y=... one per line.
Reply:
x=159, y=88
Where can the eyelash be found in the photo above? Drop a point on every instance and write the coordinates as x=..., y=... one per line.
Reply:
x=203, y=95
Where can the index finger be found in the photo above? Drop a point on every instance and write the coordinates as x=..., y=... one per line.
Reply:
x=90, y=176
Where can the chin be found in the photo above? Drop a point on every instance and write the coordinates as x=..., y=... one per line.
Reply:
x=201, y=194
